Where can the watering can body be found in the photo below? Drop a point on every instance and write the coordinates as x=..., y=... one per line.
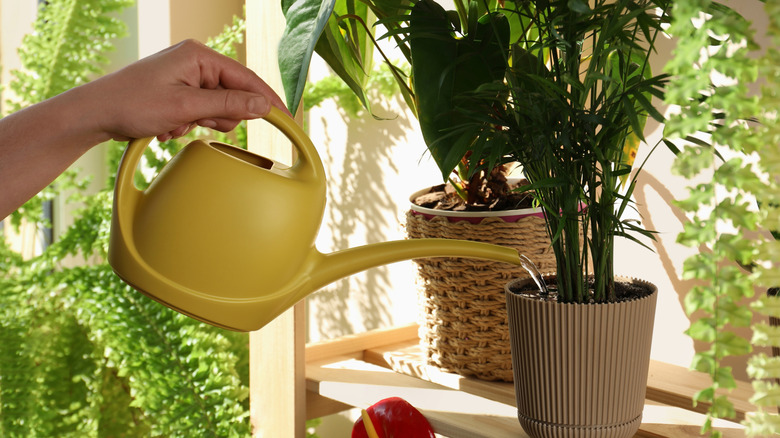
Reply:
x=227, y=237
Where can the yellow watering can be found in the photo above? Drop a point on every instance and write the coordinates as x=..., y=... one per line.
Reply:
x=227, y=237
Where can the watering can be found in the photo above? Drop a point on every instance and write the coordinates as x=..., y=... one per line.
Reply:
x=228, y=237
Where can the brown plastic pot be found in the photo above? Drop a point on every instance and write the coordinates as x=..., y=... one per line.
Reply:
x=580, y=370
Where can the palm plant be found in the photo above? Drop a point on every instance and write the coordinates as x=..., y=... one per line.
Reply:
x=571, y=110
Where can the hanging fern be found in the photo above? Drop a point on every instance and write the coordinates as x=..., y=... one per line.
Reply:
x=81, y=353
x=722, y=209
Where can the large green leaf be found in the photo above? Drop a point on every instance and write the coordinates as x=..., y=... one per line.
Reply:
x=347, y=45
x=445, y=68
x=305, y=21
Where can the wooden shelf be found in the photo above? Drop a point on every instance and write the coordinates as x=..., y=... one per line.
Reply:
x=359, y=370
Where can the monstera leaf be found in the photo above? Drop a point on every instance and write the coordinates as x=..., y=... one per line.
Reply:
x=445, y=68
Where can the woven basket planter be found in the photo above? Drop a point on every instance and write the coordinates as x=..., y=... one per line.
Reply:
x=463, y=318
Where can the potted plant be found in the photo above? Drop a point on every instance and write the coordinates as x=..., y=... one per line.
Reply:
x=579, y=89
x=570, y=109
x=447, y=54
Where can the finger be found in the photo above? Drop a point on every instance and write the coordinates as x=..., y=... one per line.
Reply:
x=245, y=79
x=224, y=104
x=181, y=130
x=223, y=125
x=217, y=71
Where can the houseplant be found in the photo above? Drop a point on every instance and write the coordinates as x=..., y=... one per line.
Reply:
x=443, y=66
x=446, y=53
x=572, y=111
x=579, y=88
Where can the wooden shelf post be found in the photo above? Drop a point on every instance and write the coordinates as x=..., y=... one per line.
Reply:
x=277, y=378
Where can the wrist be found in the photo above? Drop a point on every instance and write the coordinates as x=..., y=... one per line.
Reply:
x=81, y=116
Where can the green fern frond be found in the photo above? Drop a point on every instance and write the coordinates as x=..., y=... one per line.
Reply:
x=82, y=353
x=180, y=372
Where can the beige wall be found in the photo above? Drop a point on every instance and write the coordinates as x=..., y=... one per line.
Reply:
x=166, y=22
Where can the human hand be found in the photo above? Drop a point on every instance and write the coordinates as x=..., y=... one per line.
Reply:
x=167, y=94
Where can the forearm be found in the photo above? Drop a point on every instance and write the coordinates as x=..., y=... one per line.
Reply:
x=163, y=95
x=38, y=143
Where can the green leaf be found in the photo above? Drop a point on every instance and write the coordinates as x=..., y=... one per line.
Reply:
x=734, y=314
x=341, y=58
x=760, y=366
x=699, y=266
x=767, y=305
x=766, y=335
x=703, y=362
x=722, y=407
x=767, y=393
x=703, y=329
x=699, y=298
x=730, y=344
x=305, y=21
x=445, y=69
x=579, y=6
x=724, y=378
x=705, y=395
x=762, y=423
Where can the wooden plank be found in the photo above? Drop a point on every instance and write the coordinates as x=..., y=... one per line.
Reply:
x=277, y=381
x=668, y=384
x=409, y=359
x=372, y=367
x=452, y=413
x=319, y=406
x=659, y=420
x=356, y=344
x=456, y=413
x=676, y=386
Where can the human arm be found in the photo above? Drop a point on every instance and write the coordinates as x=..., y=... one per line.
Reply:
x=163, y=95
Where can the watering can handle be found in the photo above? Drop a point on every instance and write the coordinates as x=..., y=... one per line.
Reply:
x=308, y=164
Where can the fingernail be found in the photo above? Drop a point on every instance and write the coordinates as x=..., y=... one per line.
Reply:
x=258, y=106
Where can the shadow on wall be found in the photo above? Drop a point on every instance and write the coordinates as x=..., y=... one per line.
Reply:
x=360, y=210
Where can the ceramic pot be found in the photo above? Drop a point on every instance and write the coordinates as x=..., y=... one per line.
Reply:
x=580, y=370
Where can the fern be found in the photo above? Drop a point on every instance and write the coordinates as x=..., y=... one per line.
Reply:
x=81, y=353
x=723, y=217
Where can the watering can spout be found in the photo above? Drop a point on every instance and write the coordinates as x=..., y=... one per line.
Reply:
x=339, y=264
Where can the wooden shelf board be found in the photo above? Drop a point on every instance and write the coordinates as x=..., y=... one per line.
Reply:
x=362, y=369
x=451, y=412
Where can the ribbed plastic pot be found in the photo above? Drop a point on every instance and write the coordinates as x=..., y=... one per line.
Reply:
x=580, y=370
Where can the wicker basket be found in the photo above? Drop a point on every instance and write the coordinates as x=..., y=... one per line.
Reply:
x=463, y=314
